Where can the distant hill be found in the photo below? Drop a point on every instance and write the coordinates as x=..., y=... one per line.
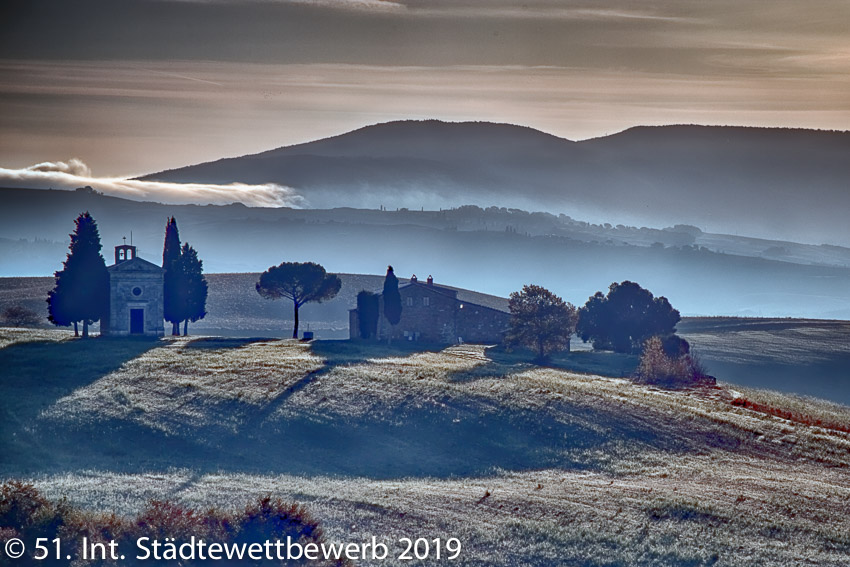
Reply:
x=494, y=251
x=787, y=184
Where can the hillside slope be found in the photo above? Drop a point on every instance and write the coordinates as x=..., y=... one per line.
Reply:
x=524, y=464
x=808, y=357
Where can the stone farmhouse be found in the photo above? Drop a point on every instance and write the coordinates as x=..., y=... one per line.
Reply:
x=441, y=314
x=136, y=298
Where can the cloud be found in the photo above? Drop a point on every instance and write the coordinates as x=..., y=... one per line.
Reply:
x=74, y=167
x=379, y=5
x=75, y=173
x=546, y=11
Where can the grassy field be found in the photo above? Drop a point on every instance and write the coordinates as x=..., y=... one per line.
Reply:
x=525, y=465
x=807, y=357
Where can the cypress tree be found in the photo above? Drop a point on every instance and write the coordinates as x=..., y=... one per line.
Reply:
x=191, y=288
x=170, y=263
x=392, y=301
x=367, y=313
x=59, y=302
x=81, y=292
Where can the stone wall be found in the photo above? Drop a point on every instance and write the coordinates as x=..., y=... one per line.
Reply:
x=427, y=315
x=478, y=324
x=434, y=315
x=122, y=299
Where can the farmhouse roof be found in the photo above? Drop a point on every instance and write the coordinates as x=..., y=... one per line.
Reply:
x=465, y=296
x=134, y=265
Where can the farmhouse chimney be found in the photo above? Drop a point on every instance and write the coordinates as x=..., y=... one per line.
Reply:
x=430, y=280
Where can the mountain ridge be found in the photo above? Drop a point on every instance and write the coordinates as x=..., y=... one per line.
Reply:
x=782, y=184
x=620, y=134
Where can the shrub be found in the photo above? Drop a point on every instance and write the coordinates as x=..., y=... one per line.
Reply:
x=161, y=519
x=368, y=313
x=26, y=514
x=23, y=509
x=19, y=504
x=658, y=367
x=271, y=518
x=675, y=346
x=20, y=316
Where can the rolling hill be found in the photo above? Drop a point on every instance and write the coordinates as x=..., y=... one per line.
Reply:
x=525, y=465
x=806, y=357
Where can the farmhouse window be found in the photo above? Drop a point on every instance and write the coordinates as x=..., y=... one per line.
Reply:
x=410, y=302
x=426, y=301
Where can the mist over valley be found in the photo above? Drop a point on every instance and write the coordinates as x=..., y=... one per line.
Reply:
x=493, y=250
x=515, y=283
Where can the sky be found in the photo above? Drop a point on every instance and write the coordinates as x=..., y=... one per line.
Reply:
x=138, y=86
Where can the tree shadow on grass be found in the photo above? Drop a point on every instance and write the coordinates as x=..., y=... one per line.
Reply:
x=225, y=342
x=336, y=353
x=447, y=436
x=502, y=362
x=342, y=353
x=34, y=375
x=450, y=438
x=491, y=368
x=603, y=363
x=39, y=373
x=348, y=353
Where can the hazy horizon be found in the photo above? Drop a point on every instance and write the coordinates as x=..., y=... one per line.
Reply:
x=98, y=92
x=492, y=251
x=523, y=158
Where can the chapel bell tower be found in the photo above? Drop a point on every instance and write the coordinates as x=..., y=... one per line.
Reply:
x=124, y=252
